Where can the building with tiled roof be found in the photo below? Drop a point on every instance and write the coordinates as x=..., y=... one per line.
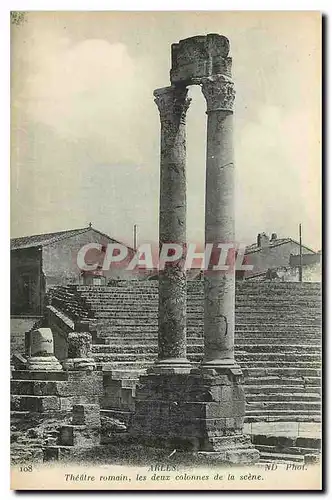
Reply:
x=41, y=261
x=273, y=253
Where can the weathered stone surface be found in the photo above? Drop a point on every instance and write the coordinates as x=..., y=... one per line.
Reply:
x=67, y=403
x=79, y=345
x=203, y=410
x=79, y=352
x=41, y=342
x=164, y=421
x=35, y=403
x=55, y=453
x=198, y=57
x=79, y=435
x=43, y=364
x=41, y=351
x=40, y=375
x=219, y=285
x=18, y=361
x=87, y=414
x=172, y=103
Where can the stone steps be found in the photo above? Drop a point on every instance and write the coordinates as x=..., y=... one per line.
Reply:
x=299, y=367
x=244, y=342
x=281, y=412
x=249, y=352
x=194, y=305
x=119, y=338
x=253, y=398
x=311, y=376
x=282, y=371
x=282, y=405
x=277, y=341
x=273, y=390
x=279, y=316
x=283, y=458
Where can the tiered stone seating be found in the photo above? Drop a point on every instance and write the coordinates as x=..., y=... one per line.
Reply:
x=278, y=340
x=70, y=302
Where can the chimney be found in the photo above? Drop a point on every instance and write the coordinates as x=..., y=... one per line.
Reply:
x=262, y=240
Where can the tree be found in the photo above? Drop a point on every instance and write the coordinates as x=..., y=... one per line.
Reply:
x=17, y=17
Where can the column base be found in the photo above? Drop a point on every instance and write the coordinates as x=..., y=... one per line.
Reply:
x=79, y=364
x=220, y=367
x=201, y=412
x=171, y=366
x=43, y=363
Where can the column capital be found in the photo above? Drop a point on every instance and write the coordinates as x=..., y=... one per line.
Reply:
x=172, y=102
x=219, y=93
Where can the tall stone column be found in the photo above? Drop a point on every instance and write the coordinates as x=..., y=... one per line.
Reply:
x=219, y=285
x=172, y=103
x=201, y=412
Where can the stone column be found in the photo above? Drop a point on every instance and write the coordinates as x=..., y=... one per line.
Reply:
x=41, y=351
x=79, y=352
x=172, y=103
x=219, y=285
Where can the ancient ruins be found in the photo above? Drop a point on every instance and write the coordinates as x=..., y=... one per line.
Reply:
x=94, y=379
x=177, y=406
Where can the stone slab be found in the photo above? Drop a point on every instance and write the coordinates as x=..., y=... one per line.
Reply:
x=86, y=414
x=40, y=375
x=79, y=436
x=35, y=403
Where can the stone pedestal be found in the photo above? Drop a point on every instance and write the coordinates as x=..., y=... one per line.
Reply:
x=200, y=412
x=41, y=351
x=79, y=352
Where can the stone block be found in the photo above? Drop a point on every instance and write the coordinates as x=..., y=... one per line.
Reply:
x=195, y=412
x=309, y=442
x=127, y=399
x=242, y=457
x=87, y=414
x=41, y=342
x=55, y=453
x=40, y=375
x=67, y=403
x=199, y=56
x=44, y=363
x=234, y=408
x=79, y=435
x=35, y=403
x=79, y=345
x=82, y=382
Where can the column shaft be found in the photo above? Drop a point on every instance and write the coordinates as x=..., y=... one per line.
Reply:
x=219, y=285
x=173, y=104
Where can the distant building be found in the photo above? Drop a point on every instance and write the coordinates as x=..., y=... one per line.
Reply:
x=279, y=258
x=41, y=261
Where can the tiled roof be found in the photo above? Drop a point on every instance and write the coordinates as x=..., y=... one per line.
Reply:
x=280, y=241
x=38, y=240
x=254, y=247
x=43, y=239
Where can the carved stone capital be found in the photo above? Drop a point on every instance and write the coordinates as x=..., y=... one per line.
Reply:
x=219, y=93
x=172, y=103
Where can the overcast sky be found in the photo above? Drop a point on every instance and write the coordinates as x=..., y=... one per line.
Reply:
x=85, y=128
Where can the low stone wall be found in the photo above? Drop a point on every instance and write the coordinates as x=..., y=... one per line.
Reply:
x=61, y=326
